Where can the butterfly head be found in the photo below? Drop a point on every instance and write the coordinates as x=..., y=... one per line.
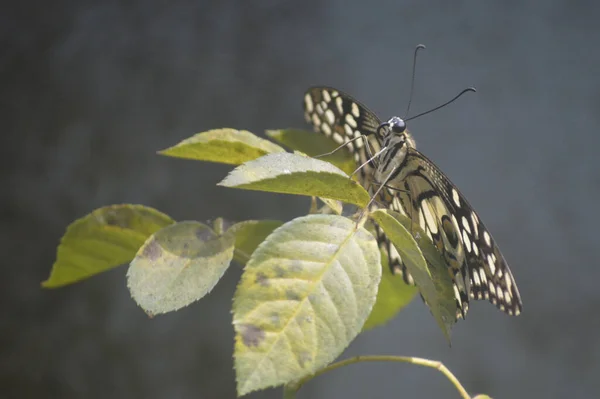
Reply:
x=396, y=140
x=394, y=134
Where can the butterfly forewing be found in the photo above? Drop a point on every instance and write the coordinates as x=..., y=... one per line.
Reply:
x=340, y=117
x=343, y=119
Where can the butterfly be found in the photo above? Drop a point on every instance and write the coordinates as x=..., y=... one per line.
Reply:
x=414, y=186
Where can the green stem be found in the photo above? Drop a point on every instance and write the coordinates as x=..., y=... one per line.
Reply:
x=291, y=389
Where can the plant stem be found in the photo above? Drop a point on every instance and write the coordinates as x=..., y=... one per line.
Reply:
x=289, y=391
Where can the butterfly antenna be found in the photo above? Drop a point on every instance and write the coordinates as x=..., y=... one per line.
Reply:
x=412, y=81
x=444, y=104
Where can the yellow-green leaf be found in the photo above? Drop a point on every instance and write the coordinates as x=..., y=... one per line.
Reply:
x=304, y=295
x=393, y=295
x=314, y=145
x=177, y=266
x=229, y=146
x=295, y=174
x=425, y=265
x=104, y=239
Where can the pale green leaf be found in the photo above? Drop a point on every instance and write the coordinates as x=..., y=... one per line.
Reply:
x=104, y=239
x=425, y=264
x=295, y=174
x=315, y=145
x=393, y=295
x=229, y=146
x=304, y=295
x=177, y=266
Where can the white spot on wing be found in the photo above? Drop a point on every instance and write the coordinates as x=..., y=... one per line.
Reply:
x=482, y=276
x=319, y=109
x=456, y=293
x=348, y=130
x=338, y=138
x=487, y=238
x=355, y=110
x=422, y=219
x=326, y=129
x=508, y=282
x=500, y=294
x=339, y=103
x=466, y=225
x=476, y=279
x=351, y=121
x=330, y=116
x=326, y=96
x=316, y=120
x=308, y=103
x=429, y=217
x=491, y=265
x=455, y=197
x=475, y=225
x=466, y=240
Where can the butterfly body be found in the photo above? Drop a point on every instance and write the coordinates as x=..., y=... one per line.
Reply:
x=416, y=187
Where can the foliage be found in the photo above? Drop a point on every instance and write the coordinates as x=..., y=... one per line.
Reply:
x=309, y=285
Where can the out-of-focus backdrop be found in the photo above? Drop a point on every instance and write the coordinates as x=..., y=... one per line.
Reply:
x=90, y=90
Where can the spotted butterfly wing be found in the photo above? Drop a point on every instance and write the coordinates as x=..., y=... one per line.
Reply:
x=343, y=119
x=478, y=269
x=340, y=117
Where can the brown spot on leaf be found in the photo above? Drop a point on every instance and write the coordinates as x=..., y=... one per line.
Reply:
x=118, y=217
x=152, y=250
x=251, y=335
x=204, y=234
x=275, y=319
x=279, y=271
x=262, y=279
x=296, y=266
x=304, y=358
x=292, y=295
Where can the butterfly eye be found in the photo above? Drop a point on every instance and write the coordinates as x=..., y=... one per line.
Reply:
x=397, y=125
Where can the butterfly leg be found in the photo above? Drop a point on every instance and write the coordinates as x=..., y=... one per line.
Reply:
x=343, y=145
x=368, y=161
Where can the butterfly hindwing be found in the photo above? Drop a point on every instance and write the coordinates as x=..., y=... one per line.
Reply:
x=478, y=268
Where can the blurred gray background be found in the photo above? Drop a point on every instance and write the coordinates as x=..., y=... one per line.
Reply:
x=90, y=90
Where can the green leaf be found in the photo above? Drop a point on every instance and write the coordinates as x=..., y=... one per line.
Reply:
x=295, y=174
x=229, y=146
x=104, y=239
x=249, y=235
x=304, y=295
x=393, y=295
x=425, y=264
x=313, y=145
x=177, y=266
